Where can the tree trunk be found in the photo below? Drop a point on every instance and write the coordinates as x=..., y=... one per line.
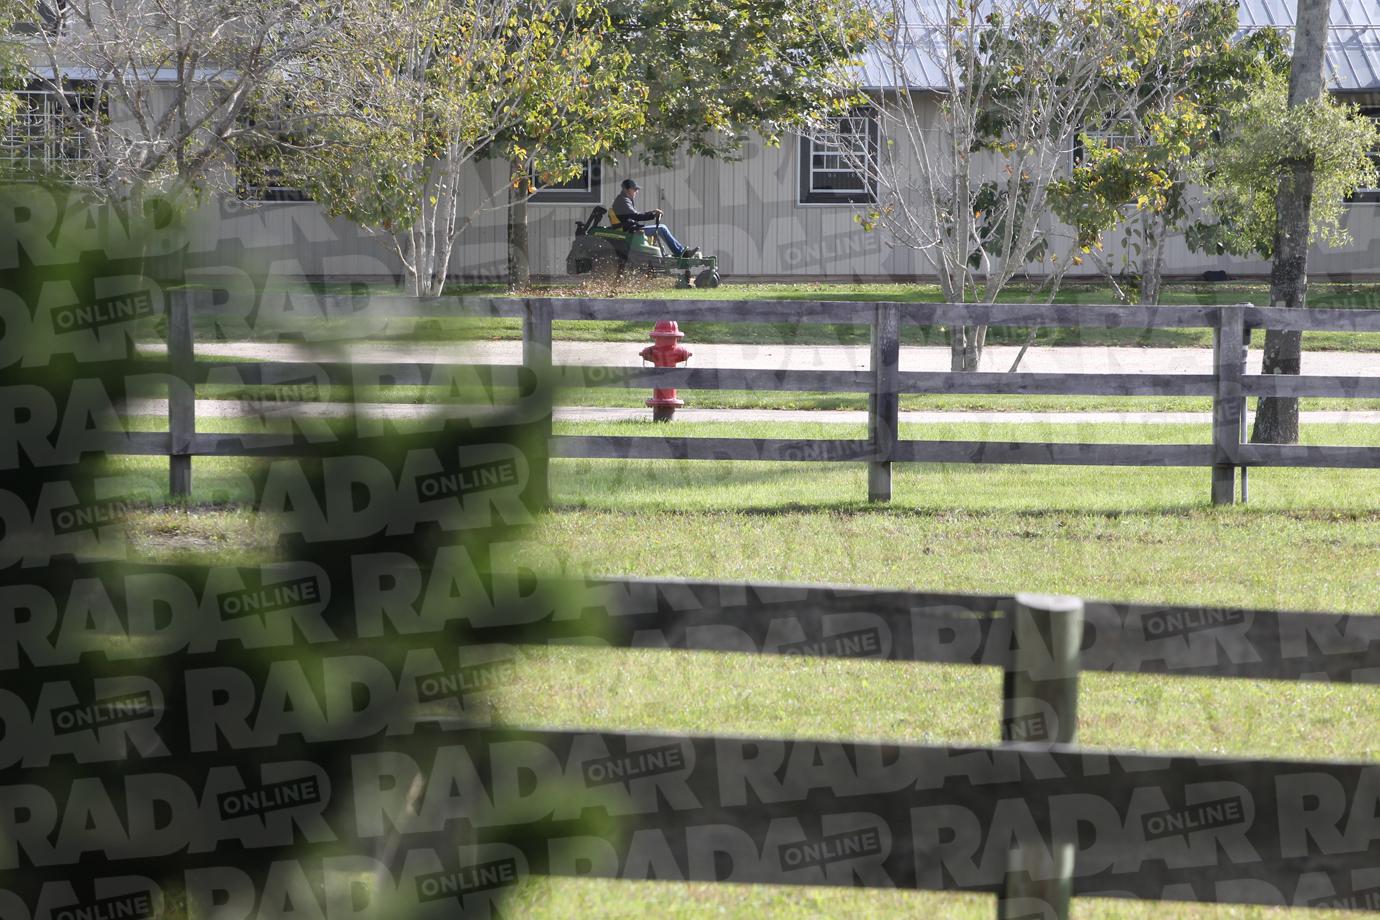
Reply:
x=965, y=347
x=519, y=268
x=406, y=246
x=1152, y=271
x=958, y=339
x=1277, y=419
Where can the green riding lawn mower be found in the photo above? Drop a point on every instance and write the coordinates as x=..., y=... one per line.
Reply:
x=611, y=252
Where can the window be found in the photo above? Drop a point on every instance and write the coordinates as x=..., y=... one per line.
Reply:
x=838, y=161
x=584, y=188
x=47, y=136
x=265, y=184
x=51, y=20
x=1369, y=194
x=1116, y=139
x=258, y=178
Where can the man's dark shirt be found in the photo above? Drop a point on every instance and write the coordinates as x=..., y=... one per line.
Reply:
x=626, y=213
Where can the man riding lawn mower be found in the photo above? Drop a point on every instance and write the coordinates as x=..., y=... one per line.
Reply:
x=627, y=243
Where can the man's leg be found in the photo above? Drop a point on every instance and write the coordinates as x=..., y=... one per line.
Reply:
x=671, y=242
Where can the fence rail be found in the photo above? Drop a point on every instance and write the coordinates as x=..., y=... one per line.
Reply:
x=952, y=628
x=883, y=381
x=1036, y=821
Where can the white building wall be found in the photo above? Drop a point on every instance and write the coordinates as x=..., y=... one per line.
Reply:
x=746, y=211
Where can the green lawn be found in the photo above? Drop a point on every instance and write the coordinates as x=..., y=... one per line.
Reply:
x=770, y=399
x=1305, y=542
x=1330, y=296
x=461, y=329
x=1310, y=539
x=829, y=487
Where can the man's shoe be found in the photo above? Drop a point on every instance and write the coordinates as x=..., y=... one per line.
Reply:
x=690, y=252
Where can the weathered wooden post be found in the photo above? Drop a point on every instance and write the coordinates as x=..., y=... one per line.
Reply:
x=536, y=357
x=1228, y=365
x=181, y=394
x=884, y=402
x=1245, y=357
x=1040, y=705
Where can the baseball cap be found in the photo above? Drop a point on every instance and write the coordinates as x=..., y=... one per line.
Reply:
x=631, y=183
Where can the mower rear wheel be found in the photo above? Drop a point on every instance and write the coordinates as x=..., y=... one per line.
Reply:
x=709, y=278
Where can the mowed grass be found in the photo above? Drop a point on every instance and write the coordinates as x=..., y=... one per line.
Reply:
x=208, y=326
x=1132, y=534
x=609, y=397
x=1309, y=539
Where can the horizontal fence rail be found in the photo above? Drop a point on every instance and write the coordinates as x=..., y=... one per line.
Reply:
x=883, y=381
x=1036, y=820
x=823, y=621
x=750, y=810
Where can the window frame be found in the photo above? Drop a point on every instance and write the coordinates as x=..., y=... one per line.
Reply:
x=265, y=191
x=53, y=19
x=592, y=193
x=1368, y=195
x=1131, y=141
x=54, y=143
x=808, y=195
x=268, y=194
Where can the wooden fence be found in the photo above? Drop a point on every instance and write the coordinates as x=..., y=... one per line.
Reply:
x=1036, y=821
x=1228, y=384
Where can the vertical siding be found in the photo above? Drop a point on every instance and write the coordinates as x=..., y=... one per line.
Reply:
x=745, y=211
x=292, y=240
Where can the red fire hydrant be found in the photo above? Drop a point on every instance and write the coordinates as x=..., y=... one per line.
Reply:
x=665, y=352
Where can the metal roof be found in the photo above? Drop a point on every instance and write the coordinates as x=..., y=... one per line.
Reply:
x=1353, y=44
x=1353, y=40
x=1281, y=13
x=921, y=66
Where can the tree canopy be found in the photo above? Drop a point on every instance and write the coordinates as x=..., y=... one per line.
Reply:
x=1143, y=152
x=408, y=92
x=1260, y=134
x=718, y=71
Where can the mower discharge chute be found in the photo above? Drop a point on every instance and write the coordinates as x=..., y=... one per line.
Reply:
x=611, y=251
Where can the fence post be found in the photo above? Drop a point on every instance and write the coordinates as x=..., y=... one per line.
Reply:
x=181, y=394
x=536, y=357
x=1228, y=364
x=1040, y=704
x=1245, y=357
x=884, y=402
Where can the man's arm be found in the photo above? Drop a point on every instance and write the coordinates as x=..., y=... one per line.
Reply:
x=622, y=206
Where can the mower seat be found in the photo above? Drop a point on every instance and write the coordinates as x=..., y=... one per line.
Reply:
x=582, y=227
x=626, y=226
